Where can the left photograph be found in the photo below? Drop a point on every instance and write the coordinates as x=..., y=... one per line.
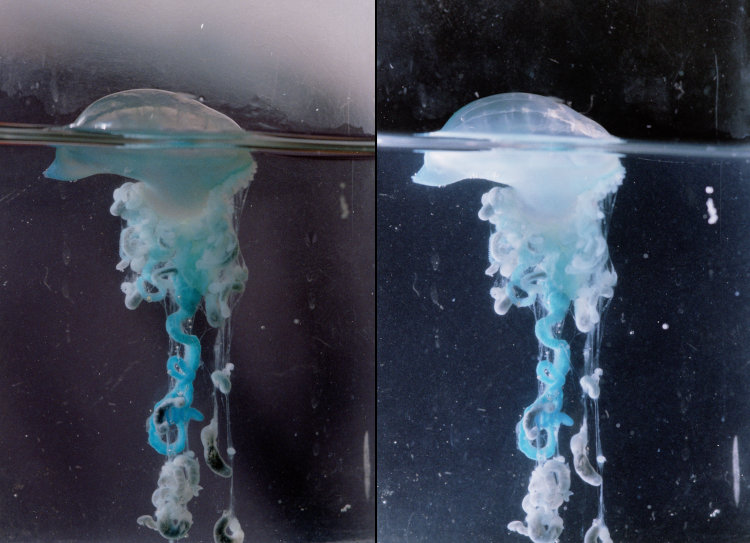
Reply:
x=187, y=271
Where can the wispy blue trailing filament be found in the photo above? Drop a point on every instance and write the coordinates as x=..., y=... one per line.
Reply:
x=547, y=251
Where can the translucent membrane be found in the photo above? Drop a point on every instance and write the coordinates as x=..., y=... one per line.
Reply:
x=548, y=251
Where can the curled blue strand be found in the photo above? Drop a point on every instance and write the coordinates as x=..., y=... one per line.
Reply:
x=548, y=374
x=537, y=431
x=167, y=426
x=152, y=292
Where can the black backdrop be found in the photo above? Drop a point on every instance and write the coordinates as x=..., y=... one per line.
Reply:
x=640, y=68
x=453, y=377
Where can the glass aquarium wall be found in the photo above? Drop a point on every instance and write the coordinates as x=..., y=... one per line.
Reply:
x=214, y=314
x=455, y=377
x=562, y=314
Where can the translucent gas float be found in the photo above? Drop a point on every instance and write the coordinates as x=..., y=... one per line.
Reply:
x=178, y=246
x=548, y=251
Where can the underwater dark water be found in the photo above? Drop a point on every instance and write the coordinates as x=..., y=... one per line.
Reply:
x=82, y=372
x=454, y=377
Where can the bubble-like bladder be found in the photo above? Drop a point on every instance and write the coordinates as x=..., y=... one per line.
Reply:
x=547, y=251
x=179, y=246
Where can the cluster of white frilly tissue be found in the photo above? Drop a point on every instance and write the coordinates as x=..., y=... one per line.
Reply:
x=204, y=249
x=571, y=252
x=177, y=485
x=549, y=488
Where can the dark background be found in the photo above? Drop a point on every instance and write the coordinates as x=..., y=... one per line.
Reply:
x=642, y=69
x=453, y=377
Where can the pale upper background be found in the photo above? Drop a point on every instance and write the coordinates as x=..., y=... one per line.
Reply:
x=313, y=62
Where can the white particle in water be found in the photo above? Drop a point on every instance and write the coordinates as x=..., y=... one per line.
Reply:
x=713, y=217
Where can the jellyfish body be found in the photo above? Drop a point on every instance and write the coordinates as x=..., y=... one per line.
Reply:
x=176, y=180
x=179, y=242
x=548, y=249
x=546, y=180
